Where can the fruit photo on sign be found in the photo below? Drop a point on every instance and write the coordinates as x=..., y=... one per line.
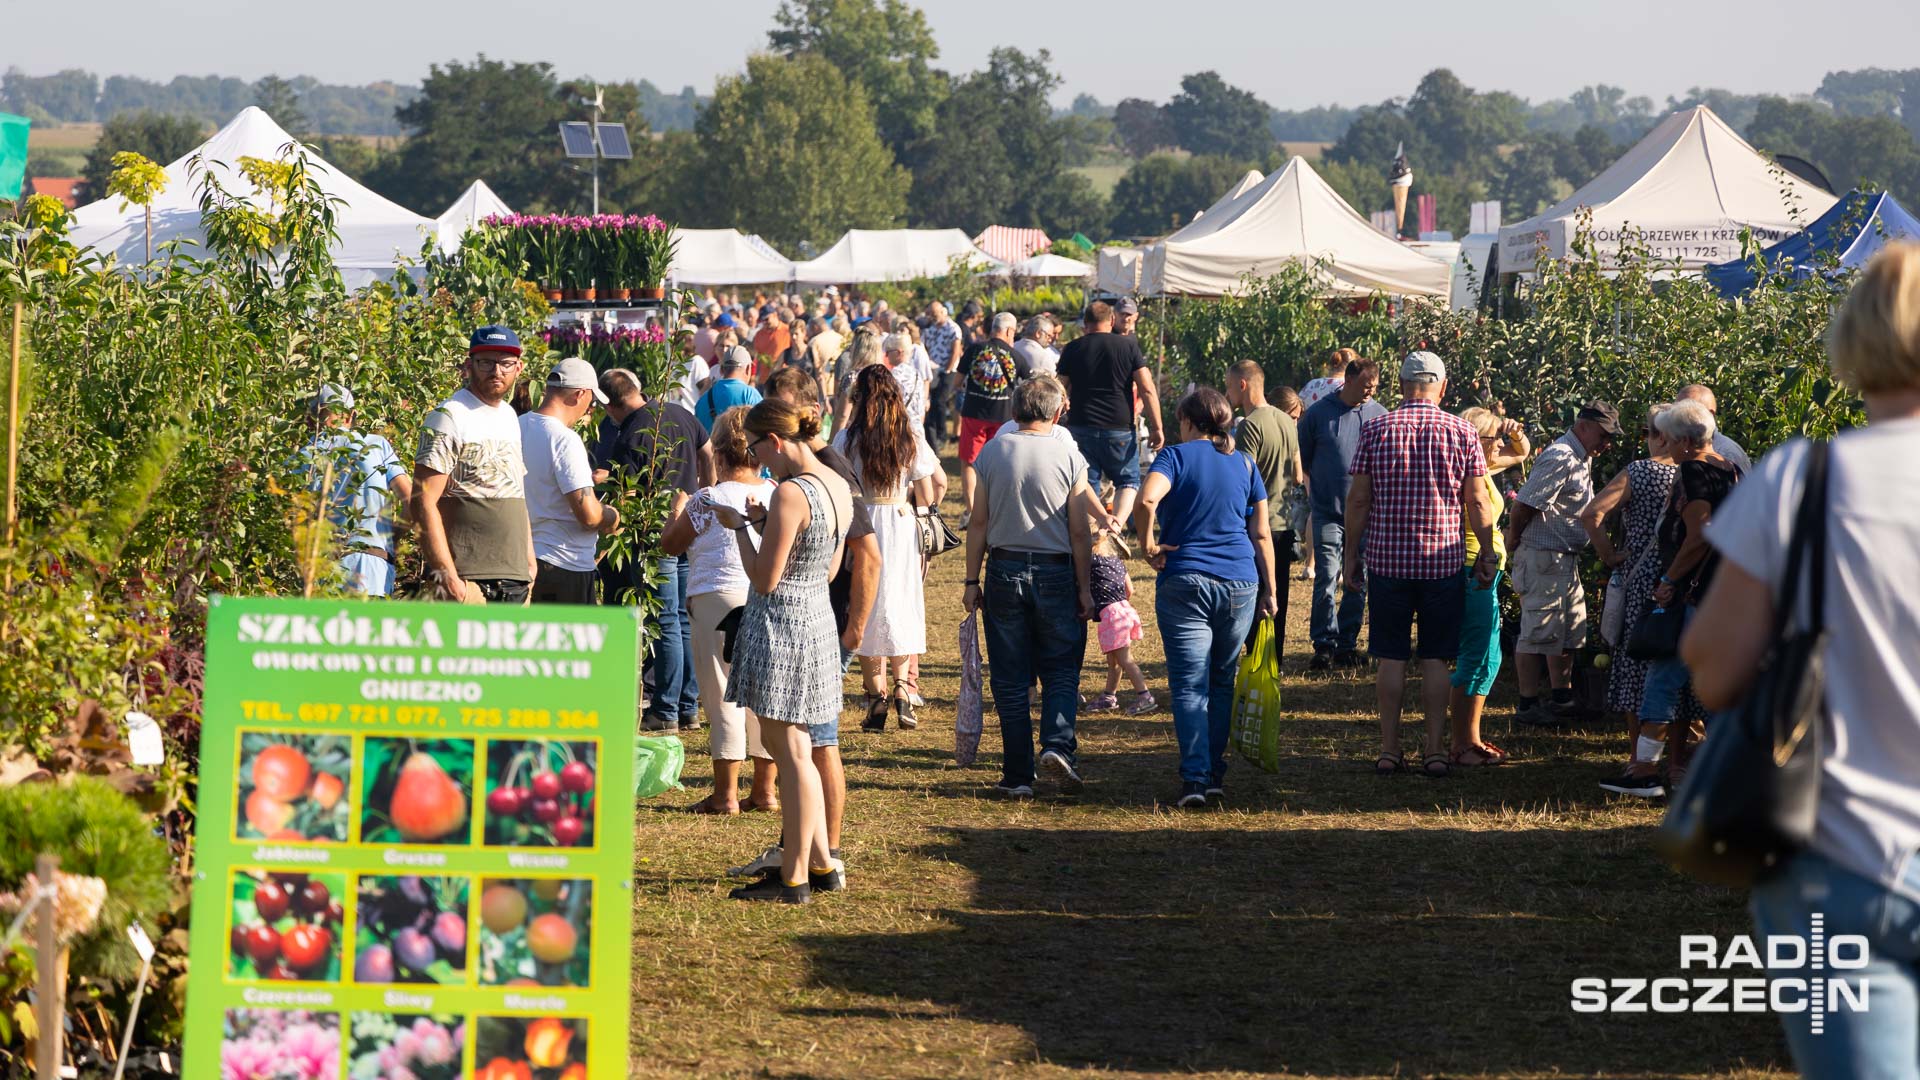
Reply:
x=293, y=787
x=286, y=926
x=541, y=793
x=410, y=929
x=535, y=931
x=416, y=791
x=391, y=1045
x=530, y=1048
x=280, y=1043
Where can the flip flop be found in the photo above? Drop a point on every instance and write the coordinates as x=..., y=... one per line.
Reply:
x=1389, y=764
x=751, y=807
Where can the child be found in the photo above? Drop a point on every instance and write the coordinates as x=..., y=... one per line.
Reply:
x=1294, y=502
x=1119, y=628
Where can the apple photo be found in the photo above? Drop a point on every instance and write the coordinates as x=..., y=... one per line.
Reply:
x=293, y=787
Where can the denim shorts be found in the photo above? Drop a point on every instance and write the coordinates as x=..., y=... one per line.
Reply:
x=827, y=734
x=1112, y=454
x=1394, y=604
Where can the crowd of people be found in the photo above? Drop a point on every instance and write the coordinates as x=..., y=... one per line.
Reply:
x=800, y=447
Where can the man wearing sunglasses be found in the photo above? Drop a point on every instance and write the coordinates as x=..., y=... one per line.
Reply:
x=469, y=481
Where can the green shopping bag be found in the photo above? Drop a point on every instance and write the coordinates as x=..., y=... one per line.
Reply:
x=656, y=764
x=1256, y=702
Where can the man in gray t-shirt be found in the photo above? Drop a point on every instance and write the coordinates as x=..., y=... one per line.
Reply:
x=1031, y=533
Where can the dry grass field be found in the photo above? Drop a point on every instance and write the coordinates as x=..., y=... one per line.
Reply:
x=1324, y=923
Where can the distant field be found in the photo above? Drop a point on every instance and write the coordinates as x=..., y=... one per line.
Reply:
x=1309, y=150
x=1103, y=177
x=73, y=138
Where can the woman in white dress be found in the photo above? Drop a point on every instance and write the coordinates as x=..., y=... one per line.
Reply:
x=878, y=439
x=717, y=584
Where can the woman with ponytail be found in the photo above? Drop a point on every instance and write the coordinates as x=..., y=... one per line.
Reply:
x=1216, y=573
x=877, y=437
x=786, y=654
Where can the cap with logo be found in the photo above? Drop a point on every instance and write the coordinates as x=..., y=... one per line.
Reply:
x=574, y=373
x=1602, y=413
x=1422, y=366
x=496, y=338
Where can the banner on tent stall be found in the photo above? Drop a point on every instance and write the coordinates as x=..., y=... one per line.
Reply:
x=415, y=844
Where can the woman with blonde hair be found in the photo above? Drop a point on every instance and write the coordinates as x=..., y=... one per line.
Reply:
x=1504, y=443
x=878, y=439
x=786, y=655
x=863, y=353
x=1860, y=874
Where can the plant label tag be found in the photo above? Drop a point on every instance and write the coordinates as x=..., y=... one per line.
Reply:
x=143, y=739
x=142, y=944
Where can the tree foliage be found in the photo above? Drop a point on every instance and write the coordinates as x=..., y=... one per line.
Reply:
x=159, y=136
x=281, y=101
x=1854, y=151
x=883, y=46
x=764, y=167
x=1163, y=191
x=1209, y=116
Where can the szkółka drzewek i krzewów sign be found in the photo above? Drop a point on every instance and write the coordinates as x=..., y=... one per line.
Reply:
x=415, y=845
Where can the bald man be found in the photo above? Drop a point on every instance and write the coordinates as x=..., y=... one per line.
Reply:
x=1722, y=445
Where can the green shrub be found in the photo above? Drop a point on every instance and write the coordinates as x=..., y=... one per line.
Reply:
x=97, y=832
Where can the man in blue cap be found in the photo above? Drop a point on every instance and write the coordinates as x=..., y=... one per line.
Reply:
x=469, y=478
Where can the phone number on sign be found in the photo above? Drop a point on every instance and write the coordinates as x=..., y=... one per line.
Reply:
x=422, y=716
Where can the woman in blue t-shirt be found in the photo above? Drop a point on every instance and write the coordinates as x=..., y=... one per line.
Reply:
x=1216, y=573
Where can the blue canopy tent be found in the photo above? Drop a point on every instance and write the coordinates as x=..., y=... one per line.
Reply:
x=1854, y=229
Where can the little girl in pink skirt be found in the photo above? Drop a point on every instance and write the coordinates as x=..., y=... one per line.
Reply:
x=1119, y=628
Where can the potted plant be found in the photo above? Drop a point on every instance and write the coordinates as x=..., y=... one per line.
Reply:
x=655, y=243
x=617, y=257
x=543, y=236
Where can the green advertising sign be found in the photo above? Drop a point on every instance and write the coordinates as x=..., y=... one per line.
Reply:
x=415, y=843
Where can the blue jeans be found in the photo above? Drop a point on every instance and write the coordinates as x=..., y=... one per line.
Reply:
x=1666, y=685
x=1203, y=622
x=676, y=695
x=1329, y=548
x=1113, y=454
x=1884, y=1041
x=1033, y=628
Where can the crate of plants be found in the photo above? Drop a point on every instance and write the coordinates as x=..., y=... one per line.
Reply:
x=599, y=260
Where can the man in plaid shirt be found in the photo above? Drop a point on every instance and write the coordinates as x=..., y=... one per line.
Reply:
x=1417, y=469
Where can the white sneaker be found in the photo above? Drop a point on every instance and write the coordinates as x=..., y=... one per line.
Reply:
x=768, y=862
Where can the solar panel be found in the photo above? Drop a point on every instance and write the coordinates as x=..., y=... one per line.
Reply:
x=576, y=138
x=613, y=142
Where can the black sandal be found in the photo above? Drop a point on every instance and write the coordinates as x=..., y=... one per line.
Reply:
x=877, y=707
x=903, y=715
x=1389, y=764
x=1444, y=770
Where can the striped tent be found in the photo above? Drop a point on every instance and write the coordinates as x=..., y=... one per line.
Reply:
x=1011, y=245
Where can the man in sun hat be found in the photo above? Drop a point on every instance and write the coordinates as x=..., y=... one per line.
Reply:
x=568, y=519
x=470, y=497
x=1545, y=539
x=364, y=470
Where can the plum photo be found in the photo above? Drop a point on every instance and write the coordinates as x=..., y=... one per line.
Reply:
x=535, y=931
x=411, y=929
x=293, y=788
x=541, y=793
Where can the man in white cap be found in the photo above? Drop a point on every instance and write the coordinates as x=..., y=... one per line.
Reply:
x=364, y=471
x=568, y=518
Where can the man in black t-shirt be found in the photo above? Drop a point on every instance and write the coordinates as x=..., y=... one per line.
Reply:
x=660, y=443
x=1103, y=370
x=990, y=369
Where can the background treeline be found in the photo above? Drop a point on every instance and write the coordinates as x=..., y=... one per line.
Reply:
x=844, y=119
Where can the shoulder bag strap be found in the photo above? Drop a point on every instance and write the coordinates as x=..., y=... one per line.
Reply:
x=1809, y=532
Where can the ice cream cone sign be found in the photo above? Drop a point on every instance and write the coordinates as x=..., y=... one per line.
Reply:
x=1401, y=181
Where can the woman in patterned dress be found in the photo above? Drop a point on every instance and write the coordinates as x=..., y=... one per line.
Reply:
x=1641, y=490
x=786, y=654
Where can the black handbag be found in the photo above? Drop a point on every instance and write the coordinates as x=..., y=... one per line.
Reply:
x=1656, y=636
x=936, y=535
x=1748, y=804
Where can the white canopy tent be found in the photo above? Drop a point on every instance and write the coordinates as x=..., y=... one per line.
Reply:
x=1046, y=265
x=1686, y=190
x=474, y=205
x=891, y=255
x=726, y=257
x=1118, y=270
x=375, y=233
x=1291, y=216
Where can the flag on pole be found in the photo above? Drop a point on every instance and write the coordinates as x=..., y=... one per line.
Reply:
x=13, y=155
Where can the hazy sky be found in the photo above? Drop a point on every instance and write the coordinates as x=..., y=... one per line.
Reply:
x=1292, y=54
